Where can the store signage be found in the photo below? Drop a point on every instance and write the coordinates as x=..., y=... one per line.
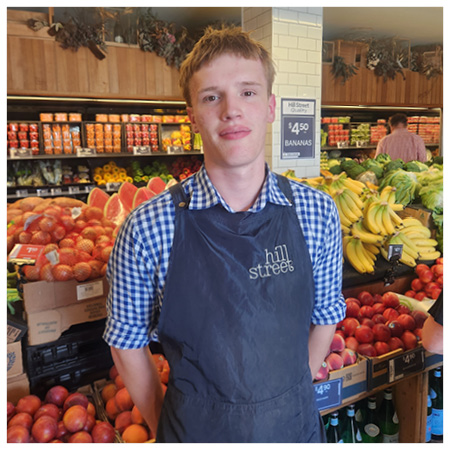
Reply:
x=42, y=192
x=20, y=153
x=22, y=193
x=406, y=364
x=113, y=186
x=89, y=290
x=25, y=253
x=56, y=191
x=298, y=128
x=84, y=151
x=328, y=393
x=142, y=150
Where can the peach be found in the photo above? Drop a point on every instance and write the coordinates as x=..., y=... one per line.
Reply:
x=366, y=311
x=379, y=318
x=44, y=429
x=407, y=321
x=390, y=299
x=111, y=409
x=123, y=420
x=75, y=418
x=348, y=356
x=334, y=361
x=364, y=334
x=123, y=400
x=349, y=326
x=135, y=434
x=337, y=343
x=352, y=309
x=409, y=339
x=17, y=434
x=378, y=308
x=56, y=395
x=351, y=343
x=396, y=328
x=80, y=437
x=76, y=398
x=109, y=391
x=403, y=309
x=395, y=343
x=381, y=348
x=381, y=332
x=29, y=404
x=103, y=432
x=24, y=419
x=390, y=314
x=419, y=317
x=48, y=409
x=367, y=350
x=322, y=374
x=136, y=416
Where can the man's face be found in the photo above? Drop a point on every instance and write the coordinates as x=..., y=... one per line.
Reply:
x=231, y=110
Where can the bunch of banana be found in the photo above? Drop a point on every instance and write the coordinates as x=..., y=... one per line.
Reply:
x=420, y=235
x=380, y=218
x=358, y=230
x=410, y=251
x=388, y=194
x=360, y=255
x=349, y=206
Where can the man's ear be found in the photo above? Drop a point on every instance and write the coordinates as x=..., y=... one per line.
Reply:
x=272, y=107
x=191, y=115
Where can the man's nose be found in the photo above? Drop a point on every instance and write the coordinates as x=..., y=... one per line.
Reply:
x=231, y=108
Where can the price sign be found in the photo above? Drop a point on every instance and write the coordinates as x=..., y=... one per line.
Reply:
x=395, y=251
x=113, y=186
x=328, y=393
x=74, y=189
x=56, y=191
x=406, y=364
x=298, y=119
x=89, y=290
x=42, y=192
x=142, y=150
x=21, y=152
x=84, y=151
x=21, y=192
x=27, y=253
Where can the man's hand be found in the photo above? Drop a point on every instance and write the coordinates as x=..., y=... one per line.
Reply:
x=320, y=337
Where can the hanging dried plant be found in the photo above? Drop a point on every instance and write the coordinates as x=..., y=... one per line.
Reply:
x=340, y=69
x=386, y=58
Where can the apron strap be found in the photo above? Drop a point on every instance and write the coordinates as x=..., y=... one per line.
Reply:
x=285, y=186
x=179, y=197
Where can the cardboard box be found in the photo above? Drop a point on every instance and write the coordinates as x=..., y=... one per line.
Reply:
x=44, y=295
x=418, y=212
x=14, y=359
x=48, y=325
x=16, y=328
x=393, y=366
x=17, y=387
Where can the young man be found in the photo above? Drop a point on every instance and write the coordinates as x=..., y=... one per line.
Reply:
x=400, y=143
x=236, y=271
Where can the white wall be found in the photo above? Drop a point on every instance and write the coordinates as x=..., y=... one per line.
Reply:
x=294, y=37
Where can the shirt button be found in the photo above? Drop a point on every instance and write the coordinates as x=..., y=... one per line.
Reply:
x=182, y=204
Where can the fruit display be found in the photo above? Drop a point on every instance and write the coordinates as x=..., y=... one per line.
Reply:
x=23, y=135
x=61, y=138
x=61, y=417
x=110, y=173
x=77, y=237
x=142, y=134
x=180, y=137
x=104, y=137
x=120, y=409
x=429, y=281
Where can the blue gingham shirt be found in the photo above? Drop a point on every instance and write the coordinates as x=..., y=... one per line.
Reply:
x=138, y=264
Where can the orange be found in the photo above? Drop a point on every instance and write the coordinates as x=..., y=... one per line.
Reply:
x=109, y=391
x=135, y=433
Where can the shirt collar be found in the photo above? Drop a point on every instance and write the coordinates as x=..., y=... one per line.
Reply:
x=204, y=195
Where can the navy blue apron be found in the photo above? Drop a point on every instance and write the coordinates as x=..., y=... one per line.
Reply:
x=234, y=327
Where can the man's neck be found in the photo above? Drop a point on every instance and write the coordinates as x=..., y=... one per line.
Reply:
x=239, y=186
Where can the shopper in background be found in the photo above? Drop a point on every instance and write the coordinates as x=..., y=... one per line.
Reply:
x=432, y=331
x=401, y=143
x=236, y=271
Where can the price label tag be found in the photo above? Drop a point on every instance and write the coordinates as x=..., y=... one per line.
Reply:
x=175, y=149
x=395, y=251
x=42, y=192
x=21, y=152
x=407, y=363
x=85, y=151
x=328, y=393
x=21, y=192
x=56, y=191
x=25, y=253
x=90, y=290
x=142, y=150
x=74, y=189
x=113, y=186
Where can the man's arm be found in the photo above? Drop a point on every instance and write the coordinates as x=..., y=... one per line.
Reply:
x=433, y=336
x=320, y=337
x=141, y=378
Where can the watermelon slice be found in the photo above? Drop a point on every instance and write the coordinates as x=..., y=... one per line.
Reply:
x=98, y=197
x=156, y=184
x=114, y=210
x=126, y=193
x=142, y=195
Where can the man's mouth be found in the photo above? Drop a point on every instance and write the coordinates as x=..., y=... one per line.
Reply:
x=233, y=133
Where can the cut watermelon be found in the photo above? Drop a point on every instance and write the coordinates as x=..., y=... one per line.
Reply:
x=126, y=193
x=142, y=195
x=114, y=210
x=156, y=184
x=98, y=197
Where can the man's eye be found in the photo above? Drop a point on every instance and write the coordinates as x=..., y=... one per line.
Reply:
x=248, y=93
x=210, y=98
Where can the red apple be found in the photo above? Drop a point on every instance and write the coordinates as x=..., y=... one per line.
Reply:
x=366, y=311
x=403, y=309
x=426, y=276
x=419, y=317
x=76, y=398
x=103, y=432
x=395, y=343
x=17, y=434
x=417, y=285
x=379, y=318
x=348, y=356
x=396, y=328
x=352, y=309
x=409, y=339
x=391, y=314
x=24, y=419
x=381, y=348
x=364, y=334
x=390, y=299
x=349, y=326
x=29, y=403
x=366, y=298
x=334, y=361
x=438, y=270
x=378, y=308
x=381, y=332
x=420, y=295
x=407, y=321
x=367, y=350
x=48, y=409
x=82, y=437
x=337, y=343
x=56, y=395
x=351, y=343
x=410, y=293
x=44, y=429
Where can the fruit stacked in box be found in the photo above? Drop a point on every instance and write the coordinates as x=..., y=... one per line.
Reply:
x=60, y=417
x=23, y=135
x=141, y=134
x=374, y=325
x=429, y=281
x=104, y=137
x=120, y=409
x=59, y=138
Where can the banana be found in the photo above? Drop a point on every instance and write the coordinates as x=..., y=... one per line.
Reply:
x=356, y=198
x=397, y=206
x=358, y=230
x=370, y=255
x=343, y=218
x=369, y=218
x=430, y=256
x=426, y=242
x=354, y=185
x=395, y=218
x=345, y=241
x=386, y=194
x=386, y=218
x=352, y=205
x=420, y=232
x=411, y=221
x=362, y=255
x=356, y=258
x=379, y=220
x=349, y=209
x=408, y=260
x=374, y=249
x=345, y=230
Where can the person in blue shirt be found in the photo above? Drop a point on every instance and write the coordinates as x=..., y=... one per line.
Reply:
x=236, y=271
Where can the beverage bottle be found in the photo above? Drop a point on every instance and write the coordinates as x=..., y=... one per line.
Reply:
x=333, y=431
x=350, y=429
x=429, y=419
x=371, y=431
x=387, y=418
x=437, y=422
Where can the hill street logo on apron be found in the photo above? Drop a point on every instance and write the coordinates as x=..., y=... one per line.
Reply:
x=276, y=263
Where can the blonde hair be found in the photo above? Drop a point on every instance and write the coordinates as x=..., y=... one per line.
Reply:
x=217, y=42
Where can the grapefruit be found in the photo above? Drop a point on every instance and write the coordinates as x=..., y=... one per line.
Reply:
x=142, y=195
x=156, y=184
x=126, y=193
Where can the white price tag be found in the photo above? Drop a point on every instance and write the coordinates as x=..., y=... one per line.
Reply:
x=21, y=152
x=42, y=192
x=90, y=290
x=21, y=193
x=83, y=151
x=56, y=191
x=74, y=190
x=142, y=150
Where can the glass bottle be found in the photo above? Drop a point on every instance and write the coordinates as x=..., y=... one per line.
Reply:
x=387, y=418
x=437, y=423
x=429, y=419
x=371, y=430
x=333, y=431
x=350, y=429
